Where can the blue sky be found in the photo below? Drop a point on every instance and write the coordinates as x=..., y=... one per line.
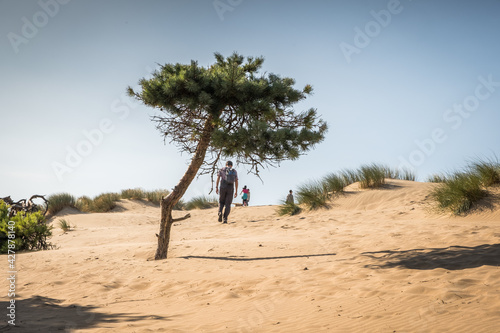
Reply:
x=403, y=83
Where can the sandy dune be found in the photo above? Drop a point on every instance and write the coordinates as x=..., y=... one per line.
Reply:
x=377, y=261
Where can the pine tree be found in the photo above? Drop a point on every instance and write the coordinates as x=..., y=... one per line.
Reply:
x=228, y=110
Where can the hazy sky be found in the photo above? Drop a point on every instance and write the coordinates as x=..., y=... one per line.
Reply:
x=404, y=83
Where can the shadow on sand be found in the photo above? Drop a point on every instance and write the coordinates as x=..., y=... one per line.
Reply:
x=235, y=258
x=44, y=314
x=451, y=258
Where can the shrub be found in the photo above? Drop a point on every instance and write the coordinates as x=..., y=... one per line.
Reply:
x=313, y=195
x=459, y=192
x=156, y=196
x=30, y=230
x=201, y=202
x=133, y=194
x=402, y=174
x=59, y=201
x=288, y=208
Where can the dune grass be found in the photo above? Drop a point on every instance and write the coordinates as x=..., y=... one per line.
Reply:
x=156, y=196
x=371, y=176
x=487, y=170
x=288, y=208
x=313, y=195
x=201, y=202
x=133, y=194
x=436, y=178
x=64, y=225
x=459, y=192
x=59, y=201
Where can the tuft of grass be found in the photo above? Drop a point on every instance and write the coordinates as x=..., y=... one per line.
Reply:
x=133, y=194
x=436, y=178
x=105, y=202
x=487, y=171
x=156, y=196
x=85, y=204
x=371, y=176
x=313, y=195
x=334, y=184
x=64, y=225
x=181, y=205
x=201, y=202
x=349, y=176
x=288, y=208
x=402, y=174
x=459, y=192
x=59, y=201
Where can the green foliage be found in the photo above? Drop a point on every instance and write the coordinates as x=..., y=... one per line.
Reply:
x=28, y=231
x=156, y=196
x=59, y=201
x=133, y=194
x=403, y=174
x=180, y=205
x=201, y=202
x=334, y=184
x=371, y=176
x=105, y=202
x=288, y=208
x=64, y=225
x=459, y=192
x=487, y=171
x=84, y=204
x=249, y=114
x=313, y=195
x=436, y=178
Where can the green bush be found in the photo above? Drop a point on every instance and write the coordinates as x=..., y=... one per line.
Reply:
x=459, y=192
x=59, y=201
x=201, y=202
x=25, y=231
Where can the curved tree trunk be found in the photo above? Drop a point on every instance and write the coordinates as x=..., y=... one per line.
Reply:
x=168, y=203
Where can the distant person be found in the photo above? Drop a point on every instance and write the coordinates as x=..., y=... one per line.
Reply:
x=246, y=195
x=228, y=189
x=289, y=198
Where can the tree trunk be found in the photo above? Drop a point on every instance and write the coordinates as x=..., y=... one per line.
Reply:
x=168, y=203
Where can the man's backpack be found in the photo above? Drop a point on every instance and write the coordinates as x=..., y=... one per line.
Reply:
x=230, y=176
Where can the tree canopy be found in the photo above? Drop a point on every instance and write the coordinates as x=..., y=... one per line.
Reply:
x=252, y=116
x=226, y=110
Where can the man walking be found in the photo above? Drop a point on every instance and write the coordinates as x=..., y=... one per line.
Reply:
x=228, y=189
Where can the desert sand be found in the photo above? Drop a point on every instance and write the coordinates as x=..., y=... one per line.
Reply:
x=377, y=261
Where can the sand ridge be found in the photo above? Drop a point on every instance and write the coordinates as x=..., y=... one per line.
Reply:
x=376, y=261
